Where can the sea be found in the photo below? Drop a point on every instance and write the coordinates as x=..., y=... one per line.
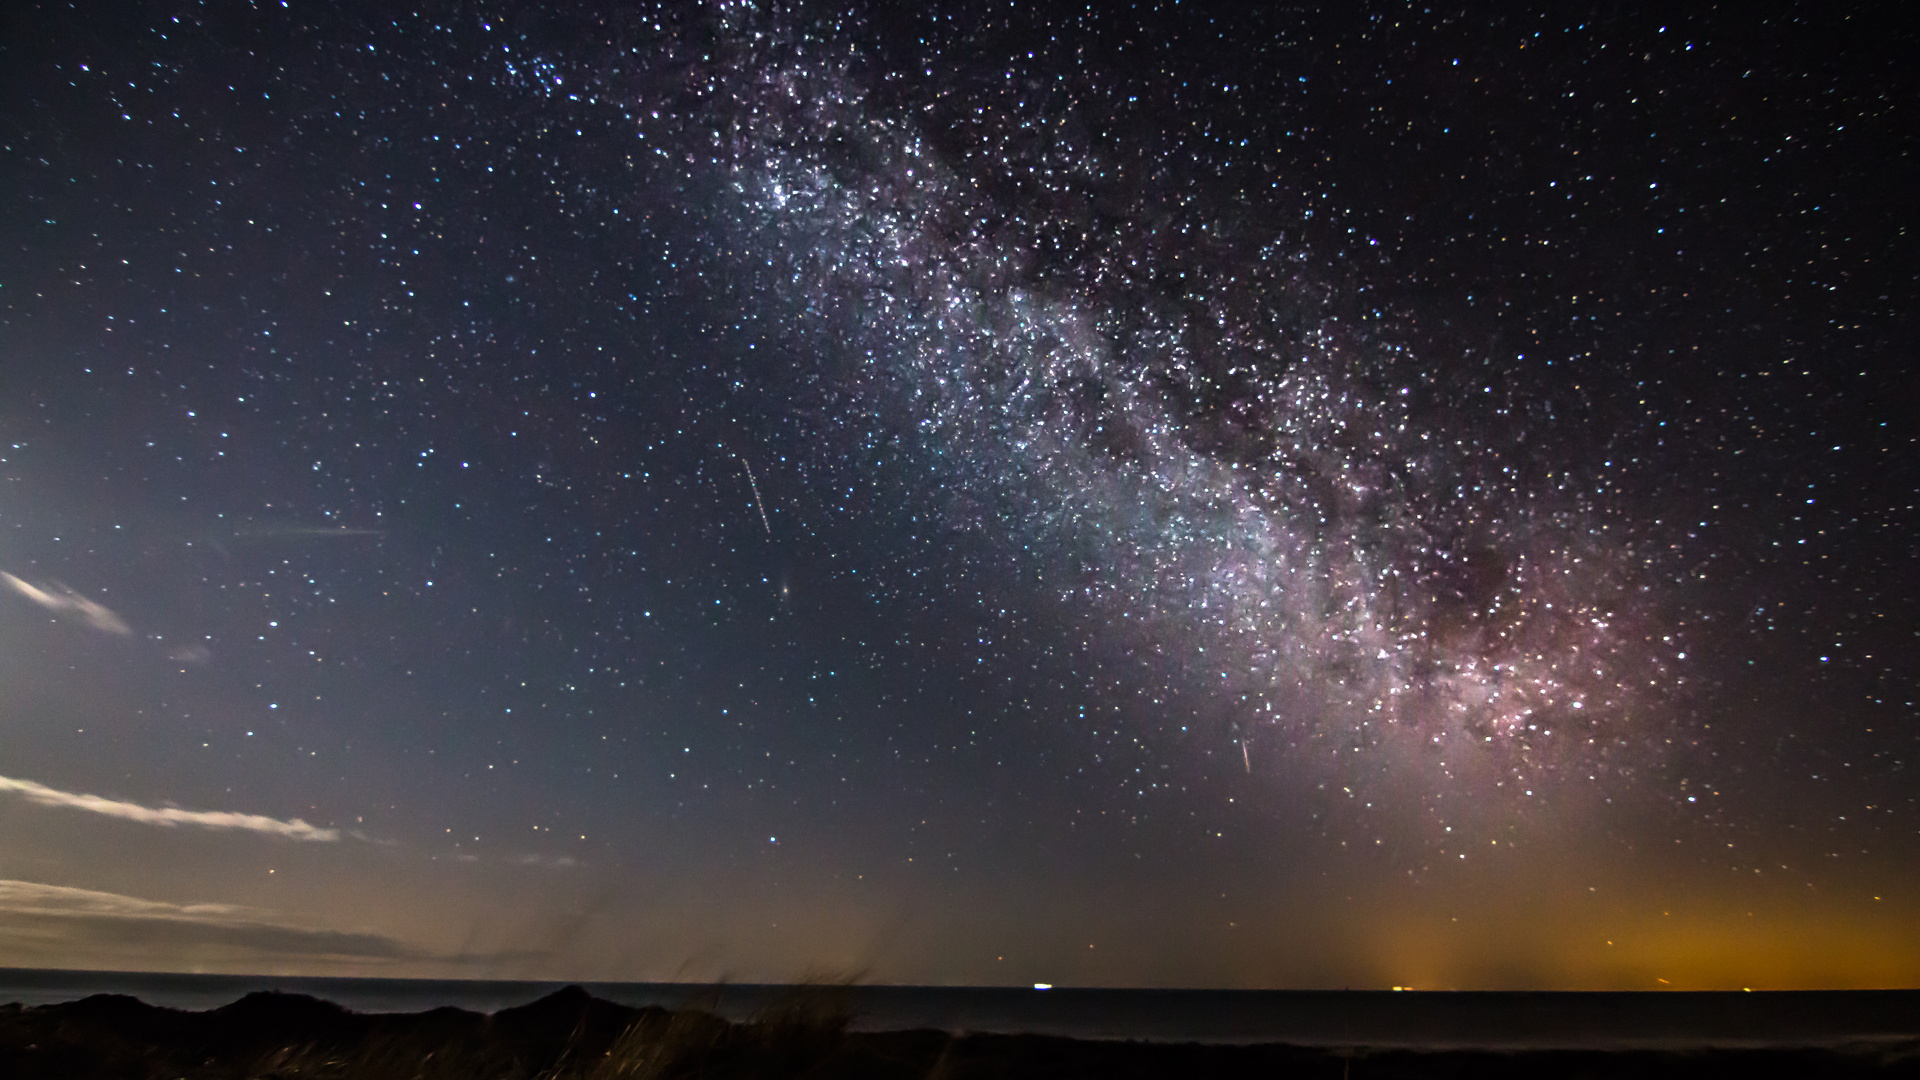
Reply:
x=1436, y=1020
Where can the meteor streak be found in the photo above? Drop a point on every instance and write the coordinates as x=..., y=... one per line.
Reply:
x=757, y=504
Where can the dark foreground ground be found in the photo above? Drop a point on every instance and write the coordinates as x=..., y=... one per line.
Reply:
x=571, y=1034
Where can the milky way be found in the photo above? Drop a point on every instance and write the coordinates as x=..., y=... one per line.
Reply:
x=1145, y=384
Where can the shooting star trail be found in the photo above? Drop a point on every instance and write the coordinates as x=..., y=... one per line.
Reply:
x=757, y=504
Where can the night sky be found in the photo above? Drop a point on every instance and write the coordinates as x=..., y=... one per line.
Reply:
x=961, y=493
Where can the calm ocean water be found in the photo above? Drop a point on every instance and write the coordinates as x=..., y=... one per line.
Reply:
x=1303, y=1017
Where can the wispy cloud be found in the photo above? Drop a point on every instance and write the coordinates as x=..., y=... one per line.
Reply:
x=33, y=898
x=60, y=917
x=167, y=816
x=56, y=925
x=58, y=598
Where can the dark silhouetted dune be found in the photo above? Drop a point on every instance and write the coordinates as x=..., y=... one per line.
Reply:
x=571, y=1035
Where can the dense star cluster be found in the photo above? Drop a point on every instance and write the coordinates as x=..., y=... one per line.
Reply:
x=1184, y=494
